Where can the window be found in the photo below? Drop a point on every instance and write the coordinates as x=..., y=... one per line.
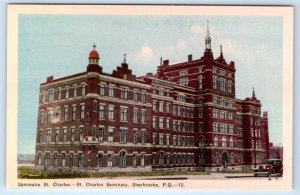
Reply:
x=111, y=112
x=135, y=95
x=215, y=80
x=48, y=136
x=143, y=137
x=135, y=115
x=64, y=134
x=168, y=123
x=216, y=141
x=57, y=117
x=161, y=139
x=154, y=122
x=94, y=106
x=200, y=112
x=202, y=142
x=55, y=159
x=74, y=91
x=110, y=134
x=179, y=141
x=43, y=97
x=229, y=86
x=224, y=144
x=123, y=135
x=143, y=96
x=230, y=128
x=63, y=159
x=135, y=136
x=175, y=125
x=161, y=158
x=122, y=156
x=231, y=142
x=71, y=159
x=174, y=140
x=124, y=114
x=72, y=134
x=67, y=93
x=51, y=95
x=161, y=107
x=216, y=113
x=101, y=134
x=83, y=90
x=142, y=159
x=59, y=94
x=111, y=91
x=100, y=160
x=124, y=93
x=200, y=82
x=167, y=140
x=154, y=106
x=42, y=116
x=110, y=158
x=82, y=111
x=143, y=116
x=41, y=136
x=134, y=160
x=101, y=111
x=154, y=139
x=161, y=123
x=49, y=116
x=174, y=110
x=66, y=114
x=102, y=89
x=80, y=134
x=168, y=108
x=56, y=135
x=215, y=127
x=201, y=127
x=74, y=112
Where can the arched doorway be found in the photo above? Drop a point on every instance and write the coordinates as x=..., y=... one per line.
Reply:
x=224, y=159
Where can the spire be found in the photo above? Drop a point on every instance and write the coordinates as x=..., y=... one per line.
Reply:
x=253, y=93
x=221, y=51
x=207, y=38
x=94, y=46
x=160, y=60
x=124, y=61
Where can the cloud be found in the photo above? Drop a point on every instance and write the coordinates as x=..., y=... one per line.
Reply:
x=181, y=44
x=196, y=29
x=147, y=53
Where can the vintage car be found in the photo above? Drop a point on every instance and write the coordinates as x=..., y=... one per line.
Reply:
x=269, y=167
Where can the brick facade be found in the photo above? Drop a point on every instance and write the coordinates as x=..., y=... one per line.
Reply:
x=185, y=117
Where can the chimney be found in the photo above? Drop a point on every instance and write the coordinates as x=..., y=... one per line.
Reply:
x=166, y=62
x=49, y=79
x=149, y=74
x=190, y=58
x=265, y=114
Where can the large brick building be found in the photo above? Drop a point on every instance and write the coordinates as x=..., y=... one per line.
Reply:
x=184, y=117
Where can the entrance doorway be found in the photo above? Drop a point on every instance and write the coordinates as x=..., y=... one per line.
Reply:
x=224, y=159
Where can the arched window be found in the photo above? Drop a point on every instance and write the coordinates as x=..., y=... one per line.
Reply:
x=216, y=141
x=122, y=156
x=224, y=144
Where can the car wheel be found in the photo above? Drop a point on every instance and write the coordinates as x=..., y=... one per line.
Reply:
x=255, y=175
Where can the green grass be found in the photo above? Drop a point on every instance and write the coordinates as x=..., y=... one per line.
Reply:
x=31, y=173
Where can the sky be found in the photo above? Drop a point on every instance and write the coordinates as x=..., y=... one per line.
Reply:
x=59, y=45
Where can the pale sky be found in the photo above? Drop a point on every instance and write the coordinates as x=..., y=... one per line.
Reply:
x=59, y=45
